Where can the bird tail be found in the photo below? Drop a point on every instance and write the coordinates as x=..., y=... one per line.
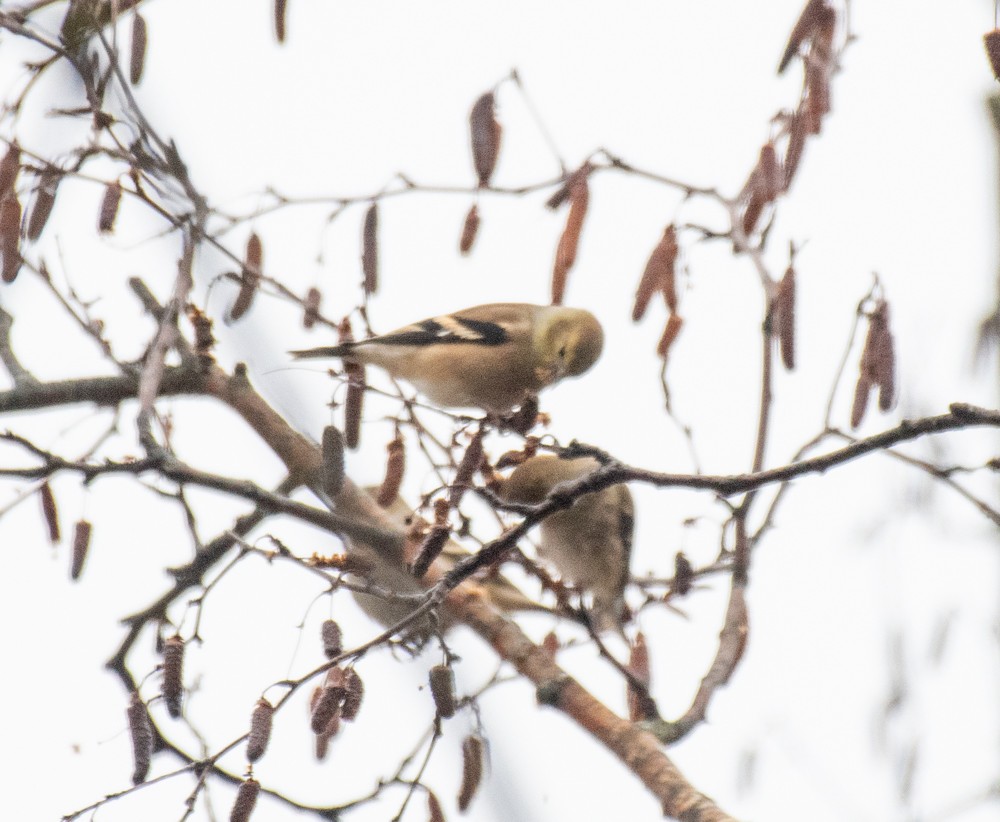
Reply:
x=325, y=351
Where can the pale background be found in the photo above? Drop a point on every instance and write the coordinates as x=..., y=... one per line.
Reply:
x=902, y=182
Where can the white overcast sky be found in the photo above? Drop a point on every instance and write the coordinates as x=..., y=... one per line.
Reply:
x=902, y=182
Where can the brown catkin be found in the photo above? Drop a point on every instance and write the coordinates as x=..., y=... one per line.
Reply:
x=821, y=50
x=45, y=199
x=770, y=175
x=882, y=367
x=369, y=249
x=472, y=769
x=569, y=242
x=992, y=42
x=141, y=733
x=435, y=813
x=638, y=666
x=803, y=27
x=137, y=55
x=471, y=460
x=887, y=385
x=323, y=739
x=550, y=644
x=322, y=746
x=562, y=194
x=766, y=182
x=333, y=460
x=658, y=275
x=172, y=687
x=683, y=575
x=328, y=702
x=868, y=352
x=817, y=102
x=354, y=694
x=333, y=638
x=862, y=390
x=254, y=257
x=327, y=706
x=430, y=550
x=353, y=403
x=49, y=511
x=311, y=307
x=395, y=467
x=670, y=332
x=485, y=132
x=280, y=9
x=10, y=166
x=109, y=207
x=248, y=287
x=442, y=680
x=470, y=228
x=204, y=339
x=250, y=277
x=751, y=213
x=878, y=365
x=784, y=318
x=797, y=133
x=10, y=236
x=820, y=66
x=261, y=721
x=81, y=545
x=246, y=798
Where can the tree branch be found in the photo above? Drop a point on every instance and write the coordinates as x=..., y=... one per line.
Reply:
x=636, y=748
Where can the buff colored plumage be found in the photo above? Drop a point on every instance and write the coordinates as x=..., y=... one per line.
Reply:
x=502, y=593
x=589, y=544
x=489, y=356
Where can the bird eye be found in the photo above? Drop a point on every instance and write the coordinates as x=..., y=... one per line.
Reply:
x=562, y=353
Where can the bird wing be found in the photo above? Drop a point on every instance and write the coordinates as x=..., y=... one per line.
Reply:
x=488, y=325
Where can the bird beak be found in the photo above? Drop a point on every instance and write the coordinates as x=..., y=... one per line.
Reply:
x=548, y=374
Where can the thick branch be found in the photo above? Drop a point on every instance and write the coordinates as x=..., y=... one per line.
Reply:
x=638, y=749
x=102, y=391
x=635, y=747
x=613, y=472
x=960, y=416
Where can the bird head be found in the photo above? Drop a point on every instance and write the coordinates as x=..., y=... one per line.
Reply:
x=571, y=340
x=533, y=479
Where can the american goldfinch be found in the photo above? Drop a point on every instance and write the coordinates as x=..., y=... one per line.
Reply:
x=590, y=543
x=502, y=593
x=489, y=356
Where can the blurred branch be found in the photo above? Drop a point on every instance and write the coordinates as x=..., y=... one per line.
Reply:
x=732, y=643
x=155, y=174
x=101, y=391
x=961, y=416
x=637, y=749
x=235, y=391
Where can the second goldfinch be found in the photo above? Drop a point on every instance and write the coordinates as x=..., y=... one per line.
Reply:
x=395, y=578
x=489, y=356
x=590, y=543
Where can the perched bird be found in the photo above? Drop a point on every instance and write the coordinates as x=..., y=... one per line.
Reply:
x=590, y=543
x=490, y=356
x=394, y=577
